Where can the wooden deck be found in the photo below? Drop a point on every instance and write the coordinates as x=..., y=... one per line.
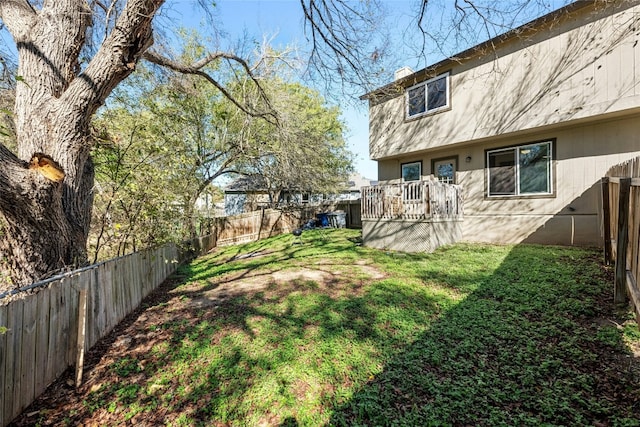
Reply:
x=422, y=200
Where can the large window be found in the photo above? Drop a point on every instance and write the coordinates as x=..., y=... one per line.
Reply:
x=429, y=96
x=520, y=171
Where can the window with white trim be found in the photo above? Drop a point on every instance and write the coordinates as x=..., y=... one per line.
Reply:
x=428, y=96
x=411, y=174
x=520, y=171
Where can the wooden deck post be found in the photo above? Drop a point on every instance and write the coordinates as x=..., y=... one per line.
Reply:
x=620, y=294
x=606, y=219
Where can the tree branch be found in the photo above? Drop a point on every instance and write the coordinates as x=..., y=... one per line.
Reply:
x=348, y=43
x=196, y=69
x=116, y=58
x=18, y=16
x=222, y=170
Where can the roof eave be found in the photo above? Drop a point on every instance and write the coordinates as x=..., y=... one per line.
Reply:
x=467, y=54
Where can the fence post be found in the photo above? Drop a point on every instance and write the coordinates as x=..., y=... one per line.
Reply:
x=620, y=294
x=82, y=332
x=606, y=219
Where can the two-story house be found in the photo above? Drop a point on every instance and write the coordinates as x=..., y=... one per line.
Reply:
x=527, y=123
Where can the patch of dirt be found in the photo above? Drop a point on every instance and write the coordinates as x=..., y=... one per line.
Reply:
x=304, y=274
x=222, y=288
x=372, y=272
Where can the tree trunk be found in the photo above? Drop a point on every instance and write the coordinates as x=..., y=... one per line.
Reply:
x=190, y=217
x=39, y=238
x=46, y=190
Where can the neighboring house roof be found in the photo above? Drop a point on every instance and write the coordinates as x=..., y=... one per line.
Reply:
x=246, y=183
x=357, y=181
x=255, y=184
x=481, y=49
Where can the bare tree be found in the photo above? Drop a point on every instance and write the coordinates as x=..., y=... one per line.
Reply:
x=445, y=31
x=354, y=47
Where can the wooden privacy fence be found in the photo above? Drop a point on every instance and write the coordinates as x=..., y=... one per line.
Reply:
x=621, y=229
x=45, y=332
x=353, y=211
x=260, y=224
x=419, y=200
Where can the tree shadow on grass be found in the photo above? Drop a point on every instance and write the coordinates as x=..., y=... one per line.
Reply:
x=253, y=256
x=525, y=348
x=208, y=360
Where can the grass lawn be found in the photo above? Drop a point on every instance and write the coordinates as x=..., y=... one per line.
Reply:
x=327, y=332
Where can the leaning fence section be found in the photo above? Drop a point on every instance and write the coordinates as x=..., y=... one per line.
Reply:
x=621, y=230
x=39, y=332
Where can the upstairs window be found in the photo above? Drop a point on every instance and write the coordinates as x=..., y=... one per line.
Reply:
x=428, y=97
x=525, y=170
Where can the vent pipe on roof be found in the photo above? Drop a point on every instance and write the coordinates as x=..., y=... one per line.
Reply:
x=402, y=72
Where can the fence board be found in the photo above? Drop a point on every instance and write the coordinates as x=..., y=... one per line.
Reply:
x=159, y=266
x=28, y=360
x=50, y=370
x=147, y=270
x=622, y=241
x=93, y=314
x=139, y=272
x=606, y=220
x=81, y=334
x=634, y=216
x=109, y=300
x=72, y=318
x=118, y=292
x=4, y=350
x=42, y=342
x=12, y=365
x=130, y=295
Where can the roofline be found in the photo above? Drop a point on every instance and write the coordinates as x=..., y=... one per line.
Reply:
x=492, y=43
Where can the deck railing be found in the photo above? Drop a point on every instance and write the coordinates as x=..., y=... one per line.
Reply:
x=420, y=200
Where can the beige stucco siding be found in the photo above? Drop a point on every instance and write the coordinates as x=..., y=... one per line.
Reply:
x=583, y=154
x=566, y=74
